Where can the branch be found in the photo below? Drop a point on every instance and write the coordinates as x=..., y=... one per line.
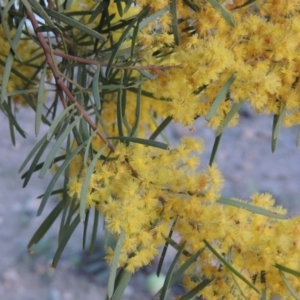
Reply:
x=60, y=83
x=103, y=64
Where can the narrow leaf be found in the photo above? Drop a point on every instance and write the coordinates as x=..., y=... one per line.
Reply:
x=277, y=124
x=225, y=14
x=94, y=232
x=137, y=112
x=164, y=251
x=86, y=183
x=44, y=227
x=153, y=17
x=85, y=227
x=63, y=242
x=252, y=208
x=220, y=97
x=289, y=286
x=57, y=120
x=50, y=157
x=197, y=289
x=96, y=93
x=173, y=11
x=288, y=270
x=122, y=281
x=40, y=101
x=215, y=149
x=117, y=46
x=160, y=128
x=13, y=122
x=298, y=137
x=56, y=176
x=10, y=60
x=114, y=265
x=230, y=267
x=75, y=24
x=13, y=44
x=169, y=275
x=142, y=141
x=31, y=153
x=34, y=163
x=39, y=9
x=235, y=108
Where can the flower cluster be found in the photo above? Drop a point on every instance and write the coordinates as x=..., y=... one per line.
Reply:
x=261, y=47
x=24, y=73
x=142, y=191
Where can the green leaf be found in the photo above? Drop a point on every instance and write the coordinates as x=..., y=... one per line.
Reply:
x=239, y=287
x=75, y=24
x=27, y=5
x=44, y=227
x=57, y=120
x=57, y=175
x=117, y=47
x=120, y=108
x=86, y=182
x=169, y=275
x=230, y=267
x=97, y=11
x=289, y=286
x=147, y=74
x=10, y=60
x=263, y=294
x=215, y=149
x=50, y=157
x=160, y=128
x=122, y=281
x=94, y=232
x=179, y=273
x=153, y=17
x=287, y=270
x=164, y=251
x=31, y=153
x=34, y=163
x=13, y=44
x=96, y=93
x=137, y=112
x=40, y=10
x=245, y=4
x=202, y=285
x=119, y=7
x=252, y=208
x=192, y=6
x=277, y=124
x=89, y=149
x=7, y=107
x=40, y=101
x=225, y=14
x=114, y=265
x=220, y=97
x=298, y=137
x=173, y=11
x=142, y=141
x=235, y=108
x=40, y=165
x=85, y=227
x=64, y=240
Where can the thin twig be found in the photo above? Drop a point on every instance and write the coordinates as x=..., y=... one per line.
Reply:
x=62, y=88
x=104, y=64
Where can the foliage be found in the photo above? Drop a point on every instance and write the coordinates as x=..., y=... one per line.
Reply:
x=116, y=74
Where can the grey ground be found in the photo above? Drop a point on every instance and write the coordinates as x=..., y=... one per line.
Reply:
x=244, y=157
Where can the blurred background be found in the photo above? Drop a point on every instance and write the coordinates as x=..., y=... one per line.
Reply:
x=244, y=157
